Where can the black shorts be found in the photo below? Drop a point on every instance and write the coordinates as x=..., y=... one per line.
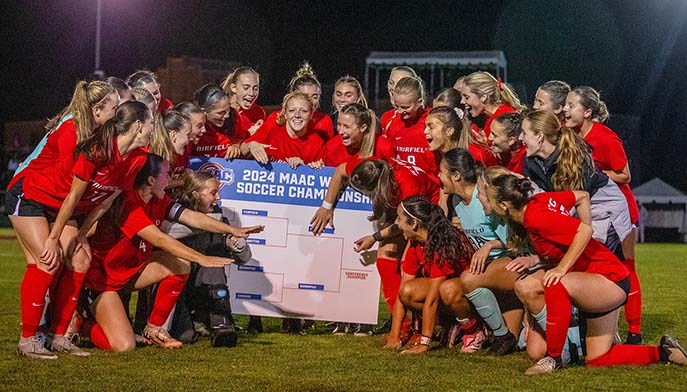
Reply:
x=625, y=286
x=17, y=205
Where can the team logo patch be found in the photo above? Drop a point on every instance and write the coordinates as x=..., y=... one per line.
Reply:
x=225, y=176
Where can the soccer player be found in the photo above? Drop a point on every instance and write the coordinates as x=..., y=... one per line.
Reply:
x=305, y=82
x=551, y=96
x=396, y=74
x=224, y=131
x=585, y=112
x=505, y=141
x=121, y=251
x=434, y=253
x=148, y=80
x=581, y=271
x=243, y=87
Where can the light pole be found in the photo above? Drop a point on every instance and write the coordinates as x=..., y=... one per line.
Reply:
x=98, y=22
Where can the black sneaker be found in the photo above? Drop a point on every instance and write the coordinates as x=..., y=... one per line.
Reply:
x=669, y=350
x=503, y=345
x=224, y=336
x=384, y=328
x=254, y=325
x=634, y=338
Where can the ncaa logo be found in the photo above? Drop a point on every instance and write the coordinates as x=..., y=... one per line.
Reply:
x=224, y=176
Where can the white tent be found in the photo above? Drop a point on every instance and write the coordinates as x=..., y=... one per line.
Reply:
x=661, y=206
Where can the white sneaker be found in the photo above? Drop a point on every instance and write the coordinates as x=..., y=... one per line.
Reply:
x=33, y=348
x=61, y=344
x=544, y=365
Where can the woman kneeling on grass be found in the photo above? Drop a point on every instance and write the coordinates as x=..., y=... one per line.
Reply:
x=581, y=272
x=434, y=252
x=121, y=249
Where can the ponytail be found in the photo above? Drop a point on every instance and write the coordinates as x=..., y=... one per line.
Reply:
x=485, y=85
x=376, y=179
x=454, y=118
x=591, y=99
x=86, y=96
x=363, y=116
x=575, y=163
x=160, y=141
x=305, y=76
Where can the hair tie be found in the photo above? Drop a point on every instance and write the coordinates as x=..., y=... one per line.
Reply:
x=499, y=84
x=459, y=112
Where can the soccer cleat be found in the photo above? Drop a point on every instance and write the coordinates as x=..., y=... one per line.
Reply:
x=158, y=336
x=503, y=345
x=472, y=342
x=669, y=350
x=545, y=365
x=254, y=325
x=341, y=329
x=224, y=336
x=33, y=348
x=634, y=338
x=62, y=344
x=384, y=328
x=362, y=330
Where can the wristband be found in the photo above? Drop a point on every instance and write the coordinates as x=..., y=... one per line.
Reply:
x=377, y=236
x=327, y=205
x=425, y=340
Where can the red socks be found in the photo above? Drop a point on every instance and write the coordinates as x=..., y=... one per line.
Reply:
x=167, y=293
x=633, y=307
x=34, y=286
x=391, y=280
x=98, y=337
x=558, y=314
x=626, y=354
x=65, y=299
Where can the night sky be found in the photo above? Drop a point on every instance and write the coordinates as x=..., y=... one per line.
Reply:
x=633, y=51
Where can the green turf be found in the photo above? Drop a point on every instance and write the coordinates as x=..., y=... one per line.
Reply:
x=321, y=362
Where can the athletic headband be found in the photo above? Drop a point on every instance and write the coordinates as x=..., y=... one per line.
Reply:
x=408, y=212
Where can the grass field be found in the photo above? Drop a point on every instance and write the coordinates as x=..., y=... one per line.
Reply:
x=321, y=362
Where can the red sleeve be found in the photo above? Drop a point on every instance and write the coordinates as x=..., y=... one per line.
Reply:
x=262, y=134
x=384, y=149
x=135, y=164
x=135, y=219
x=410, y=263
x=614, y=153
x=553, y=207
x=84, y=168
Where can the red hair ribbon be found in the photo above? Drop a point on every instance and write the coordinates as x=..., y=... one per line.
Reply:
x=498, y=83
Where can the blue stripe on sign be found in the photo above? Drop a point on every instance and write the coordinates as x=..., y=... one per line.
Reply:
x=256, y=241
x=310, y=286
x=252, y=268
x=327, y=230
x=253, y=212
x=248, y=296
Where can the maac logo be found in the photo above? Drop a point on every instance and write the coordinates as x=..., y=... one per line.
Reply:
x=224, y=176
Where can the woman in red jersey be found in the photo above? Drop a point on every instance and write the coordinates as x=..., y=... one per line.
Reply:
x=243, y=87
x=434, y=253
x=142, y=95
x=551, y=96
x=121, y=251
x=170, y=137
x=148, y=80
x=485, y=95
x=406, y=130
x=347, y=90
x=196, y=118
x=396, y=74
x=224, y=131
x=84, y=182
x=305, y=82
x=286, y=137
x=356, y=140
x=387, y=183
x=585, y=112
x=580, y=271
x=505, y=141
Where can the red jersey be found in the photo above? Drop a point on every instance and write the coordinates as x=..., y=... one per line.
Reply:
x=386, y=119
x=415, y=264
x=252, y=115
x=181, y=160
x=216, y=141
x=551, y=230
x=164, y=104
x=411, y=180
x=55, y=145
x=118, y=253
x=514, y=160
x=410, y=142
x=335, y=153
x=51, y=186
x=283, y=146
x=608, y=154
x=501, y=109
x=322, y=124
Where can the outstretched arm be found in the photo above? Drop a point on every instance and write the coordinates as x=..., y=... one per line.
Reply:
x=203, y=222
x=161, y=240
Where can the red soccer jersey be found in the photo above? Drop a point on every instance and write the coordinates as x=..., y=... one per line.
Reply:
x=608, y=154
x=516, y=159
x=181, y=160
x=414, y=263
x=501, y=109
x=283, y=146
x=118, y=253
x=252, y=115
x=164, y=104
x=386, y=119
x=55, y=145
x=322, y=124
x=483, y=154
x=410, y=142
x=216, y=141
x=335, y=153
x=551, y=230
x=411, y=180
x=51, y=186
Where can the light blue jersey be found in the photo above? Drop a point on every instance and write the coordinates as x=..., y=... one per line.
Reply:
x=480, y=228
